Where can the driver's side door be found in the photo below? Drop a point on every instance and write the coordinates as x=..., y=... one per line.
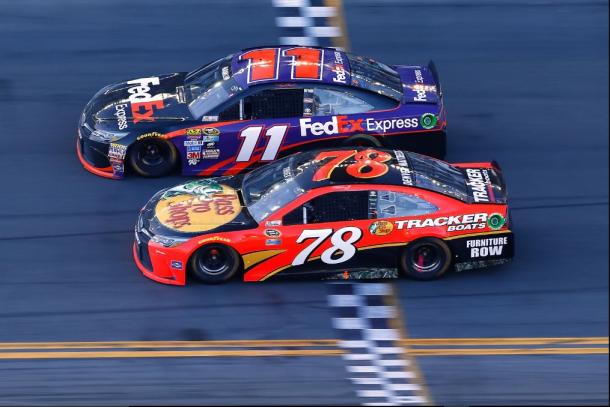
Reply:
x=265, y=118
x=321, y=233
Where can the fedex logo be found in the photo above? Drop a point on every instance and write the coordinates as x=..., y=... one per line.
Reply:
x=143, y=104
x=337, y=125
x=341, y=124
x=421, y=93
x=339, y=69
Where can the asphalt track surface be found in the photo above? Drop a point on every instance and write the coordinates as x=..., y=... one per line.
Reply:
x=525, y=84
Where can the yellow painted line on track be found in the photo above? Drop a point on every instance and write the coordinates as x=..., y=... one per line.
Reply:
x=506, y=341
x=297, y=348
x=296, y=343
x=290, y=353
x=170, y=344
x=169, y=354
x=509, y=351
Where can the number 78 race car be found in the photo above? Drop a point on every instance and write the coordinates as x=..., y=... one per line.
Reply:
x=329, y=212
x=256, y=105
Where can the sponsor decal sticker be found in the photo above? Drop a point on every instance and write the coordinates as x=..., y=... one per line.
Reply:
x=143, y=104
x=453, y=223
x=147, y=135
x=428, y=120
x=340, y=74
x=210, y=154
x=272, y=233
x=193, y=132
x=214, y=239
x=117, y=168
x=117, y=151
x=391, y=124
x=193, y=157
x=341, y=124
x=211, y=131
x=486, y=247
x=337, y=124
x=272, y=223
x=496, y=221
x=381, y=228
x=209, y=118
x=403, y=166
x=176, y=264
x=191, y=143
x=121, y=116
x=198, y=206
x=421, y=94
x=273, y=242
x=225, y=73
x=478, y=181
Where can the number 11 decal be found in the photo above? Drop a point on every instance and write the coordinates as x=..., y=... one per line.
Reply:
x=250, y=137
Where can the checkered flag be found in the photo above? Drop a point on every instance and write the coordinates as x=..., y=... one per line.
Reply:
x=311, y=23
x=376, y=362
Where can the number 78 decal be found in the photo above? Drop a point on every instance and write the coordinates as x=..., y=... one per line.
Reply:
x=250, y=137
x=345, y=247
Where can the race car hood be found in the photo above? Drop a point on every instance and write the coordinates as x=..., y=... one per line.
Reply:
x=197, y=208
x=140, y=102
x=418, y=83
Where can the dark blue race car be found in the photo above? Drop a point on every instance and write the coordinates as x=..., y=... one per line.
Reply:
x=257, y=105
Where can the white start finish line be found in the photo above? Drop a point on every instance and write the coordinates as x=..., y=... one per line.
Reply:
x=368, y=325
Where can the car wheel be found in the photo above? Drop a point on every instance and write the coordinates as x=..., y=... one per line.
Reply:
x=214, y=263
x=363, y=140
x=153, y=157
x=425, y=259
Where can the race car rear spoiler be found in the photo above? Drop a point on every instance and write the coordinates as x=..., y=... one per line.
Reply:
x=434, y=72
x=485, y=182
x=420, y=83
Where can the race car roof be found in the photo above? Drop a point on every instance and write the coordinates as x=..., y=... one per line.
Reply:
x=284, y=64
x=345, y=166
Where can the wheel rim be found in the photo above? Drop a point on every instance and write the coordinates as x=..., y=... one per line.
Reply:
x=213, y=261
x=153, y=154
x=426, y=258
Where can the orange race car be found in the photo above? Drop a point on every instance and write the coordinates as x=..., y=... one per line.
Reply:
x=343, y=212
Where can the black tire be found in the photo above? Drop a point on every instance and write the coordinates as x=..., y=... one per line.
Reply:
x=425, y=259
x=364, y=140
x=153, y=157
x=214, y=263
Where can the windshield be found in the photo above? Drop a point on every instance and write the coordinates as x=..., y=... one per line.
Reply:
x=376, y=76
x=272, y=186
x=438, y=176
x=210, y=86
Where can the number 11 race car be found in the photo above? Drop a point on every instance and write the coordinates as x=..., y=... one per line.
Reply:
x=257, y=105
x=329, y=212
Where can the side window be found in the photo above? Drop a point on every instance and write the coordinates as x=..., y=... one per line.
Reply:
x=274, y=104
x=392, y=204
x=332, y=207
x=230, y=113
x=328, y=102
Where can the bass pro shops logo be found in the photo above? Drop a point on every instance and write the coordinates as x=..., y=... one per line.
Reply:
x=143, y=104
